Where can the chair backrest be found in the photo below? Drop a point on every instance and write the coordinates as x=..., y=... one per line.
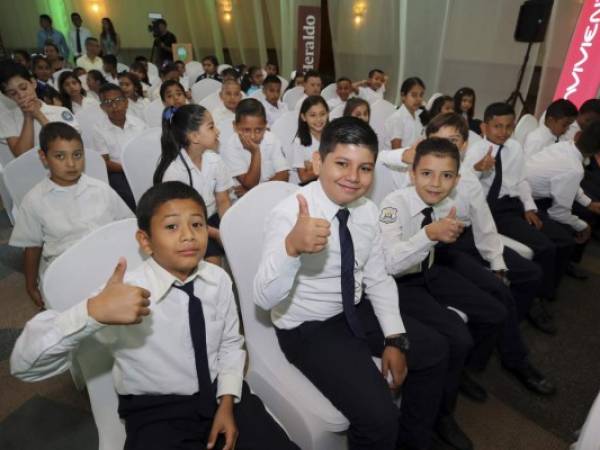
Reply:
x=432, y=99
x=83, y=80
x=193, y=69
x=88, y=118
x=258, y=95
x=526, y=125
x=285, y=129
x=140, y=158
x=589, y=437
x=386, y=180
x=328, y=91
x=225, y=128
x=203, y=88
x=6, y=155
x=24, y=172
x=122, y=67
x=152, y=70
x=380, y=111
x=291, y=97
x=153, y=113
x=7, y=202
x=337, y=112
x=62, y=290
x=284, y=83
x=211, y=101
x=222, y=67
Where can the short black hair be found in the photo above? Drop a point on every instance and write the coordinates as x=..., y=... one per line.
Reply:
x=453, y=120
x=110, y=60
x=108, y=87
x=160, y=194
x=141, y=58
x=161, y=21
x=272, y=79
x=49, y=43
x=75, y=14
x=24, y=53
x=347, y=130
x=91, y=39
x=10, y=69
x=372, y=72
x=57, y=130
x=440, y=147
x=588, y=141
x=46, y=17
x=170, y=67
x=212, y=58
x=230, y=71
x=312, y=74
x=340, y=79
x=561, y=108
x=250, y=107
x=166, y=85
x=497, y=109
x=590, y=106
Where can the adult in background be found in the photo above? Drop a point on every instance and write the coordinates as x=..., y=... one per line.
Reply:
x=49, y=34
x=163, y=43
x=77, y=36
x=109, y=39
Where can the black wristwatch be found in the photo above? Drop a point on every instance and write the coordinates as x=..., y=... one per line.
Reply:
x=400, y=342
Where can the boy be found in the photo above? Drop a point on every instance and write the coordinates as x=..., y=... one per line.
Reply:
x=555, y=176
x=168, y=72
x=322, y=249
x=274, y=107
x=373, y=88
x=413, y=221
x=343, y=89
x=559, y=116
x=77, y=36
x=509, y=197
x=312, y=86
x=91, y=60
x=183, y=78
x=112, y=135
x=210, y=64
x=63, y=208
x=253, y=154
x=230, y=95
x=109, y=66
x=588, y=111
x=52, y=55
x=179, y=372
x=271, y=68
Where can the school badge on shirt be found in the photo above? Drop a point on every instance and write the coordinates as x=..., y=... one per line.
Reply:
x=66, y=115
x=388, y=215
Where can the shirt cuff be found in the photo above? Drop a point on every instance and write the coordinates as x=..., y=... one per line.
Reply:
x=229, y=384
x=288, y=265
x=580, y=225
x=530, y=206
x=391, y=325
x=583, y=199
x=393, y=158
x=498, y=264
x=76, y=319
x=422, y=241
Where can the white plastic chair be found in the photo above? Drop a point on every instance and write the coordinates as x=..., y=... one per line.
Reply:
x=7, y=202
x=225, y=128
x=258, y=95
x=337, y=112
x=6, y=155
x=328, y=91
x=83, y=79
x=284, y=83
x=204, y=88
x=211, y=101
x=285, y=129
x=542, y=118
x=152, y=70
x=380, y=111
x=62, y=290
x=193, y=70
x=291, y=97
x=153, y=113
x=122, y=67
x=589, y=437
x=88, y=118
x=432, y=99
x=24, y=172
x=308, y=417
x=222, y=67
x=526, y=125
x=140, y=158
x=56, y=76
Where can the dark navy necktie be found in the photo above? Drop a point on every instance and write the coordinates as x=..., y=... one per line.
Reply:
x=427, y=212
x=347, y=278
x=198, y=332
x=78, y=39
x=494, y=191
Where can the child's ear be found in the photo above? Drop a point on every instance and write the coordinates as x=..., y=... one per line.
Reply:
x=303, y=117
x=43, y=159
x=144, y=241
x=411, y=173
x=316, y=163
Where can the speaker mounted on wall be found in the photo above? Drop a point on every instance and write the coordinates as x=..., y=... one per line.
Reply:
x=533, y=20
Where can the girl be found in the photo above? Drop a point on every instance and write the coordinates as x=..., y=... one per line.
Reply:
x=22, y=57
x=253, y=80
x=109, y=39
x=72, y=93
x=52, y=97
x=188, y=141
x=441, y=105
x=314, y=115
x=405, y=126
x=21, y=126
x=464, y=104
x=358, y=107
x=132, y=88
x=172, y=94
x=43, y=75
x=140, y=71
x=95, y=80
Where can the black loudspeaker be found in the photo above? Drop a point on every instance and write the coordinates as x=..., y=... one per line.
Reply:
x=533, y=20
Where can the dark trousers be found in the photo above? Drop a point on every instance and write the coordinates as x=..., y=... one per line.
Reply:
x=214, y=247
x=179, y=422
x=512, y=348
x=552, y=245
x=340, y=365
x=119, y=183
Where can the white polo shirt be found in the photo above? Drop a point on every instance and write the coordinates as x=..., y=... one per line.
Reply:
x=85, y=62
x=274, y=112
x=110, y=140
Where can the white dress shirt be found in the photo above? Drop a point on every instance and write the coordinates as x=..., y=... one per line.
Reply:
x=88, y=64
x=368, y=94
x=11, y=122
x=274, y=112
x=55, y=217
x=514, y=183
x=110, y=139
x=237, y=158
x=308, y=287
x=571, y=132
x=405, y=244
x=154, y=357
x=556, y=172
x=537, y=140
x=222, y=114
x=84, y=33
x=213, y=177
x=402, y=125
x=86, y=102
x=138, y=107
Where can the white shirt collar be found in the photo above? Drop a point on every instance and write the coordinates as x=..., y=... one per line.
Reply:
x=328, y=207
x=416, y=204
x=162, y=280
x=50, y=186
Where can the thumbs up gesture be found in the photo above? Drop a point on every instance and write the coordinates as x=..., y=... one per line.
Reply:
x=486, y=163
x=446, y=230
x=309, y=234
x=119, y=303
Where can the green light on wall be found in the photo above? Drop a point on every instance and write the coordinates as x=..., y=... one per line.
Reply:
x=57, y=9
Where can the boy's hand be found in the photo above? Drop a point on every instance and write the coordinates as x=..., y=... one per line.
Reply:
x=486, y=163
x=594, y=207
x=224, y=423
x=309, y=235
x=35, y=295
x=583, y=235
x=119, y=303
x=532, y=219
x=393, y=361
x=408, y=157
x=249, y=144
x=446, y=230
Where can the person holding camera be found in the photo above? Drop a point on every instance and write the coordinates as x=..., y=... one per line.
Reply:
x=163, y=40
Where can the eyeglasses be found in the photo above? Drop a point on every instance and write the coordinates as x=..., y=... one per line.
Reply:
x=112, y=103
